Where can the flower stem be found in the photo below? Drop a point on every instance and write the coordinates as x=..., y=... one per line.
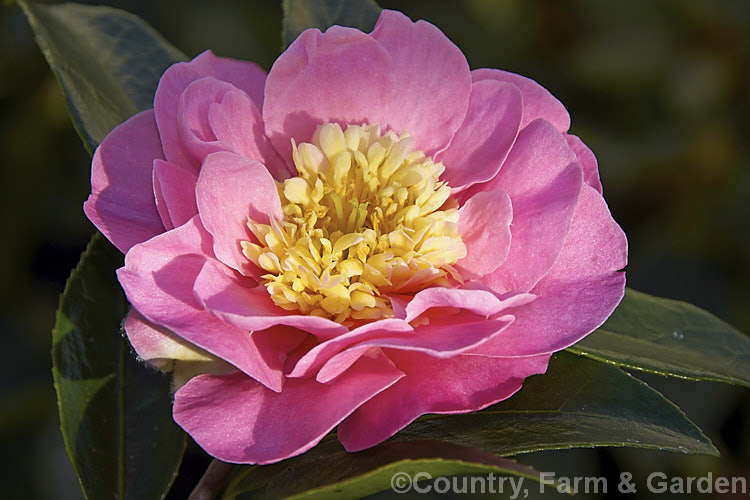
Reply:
x=212, y=480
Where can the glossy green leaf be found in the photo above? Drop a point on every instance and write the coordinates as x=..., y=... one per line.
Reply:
x=115, y=413
x=330, y=472
x=669, y=337
x=577, y=403
x=107, y=61
x=322, y=14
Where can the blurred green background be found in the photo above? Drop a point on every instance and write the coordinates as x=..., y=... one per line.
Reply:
x=658, y=90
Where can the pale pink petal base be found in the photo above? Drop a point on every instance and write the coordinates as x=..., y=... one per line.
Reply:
x=157, y=345
x=237, y=420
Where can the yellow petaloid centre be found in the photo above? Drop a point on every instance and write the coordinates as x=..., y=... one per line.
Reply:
x=366, y=217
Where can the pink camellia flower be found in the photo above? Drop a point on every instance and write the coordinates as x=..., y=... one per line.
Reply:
x=369, y=233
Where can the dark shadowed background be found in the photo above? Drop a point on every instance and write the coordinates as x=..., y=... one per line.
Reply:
x=658, y=90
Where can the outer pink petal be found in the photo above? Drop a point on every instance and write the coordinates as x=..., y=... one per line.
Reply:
x=587, y=160
x=341, y=75
x=543, y=180
x=174, y=190
x=484, y=139
x=537, y=101
x=432, y=80
x=238, y=420
x=249, y=307
x=247, y=76
x=484, y=224
x=158, y=280
x=121, y=204
x=230, y=190
x=457, y=385
x=444, y=339
x=580, y=291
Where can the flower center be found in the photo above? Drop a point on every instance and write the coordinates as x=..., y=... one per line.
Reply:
x=366, y=217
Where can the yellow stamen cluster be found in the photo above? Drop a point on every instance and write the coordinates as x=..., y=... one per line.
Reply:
x=367, y=216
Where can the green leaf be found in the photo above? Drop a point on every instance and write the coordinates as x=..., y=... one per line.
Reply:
x=107, y=61
x=300, y=15
x=115, y=413
x=669, y=337
x=577, y=403
x=330, y=472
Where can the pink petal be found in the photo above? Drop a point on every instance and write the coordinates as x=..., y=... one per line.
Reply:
x=236, y=121
x=484, y=225
x=158, y=280
x=578, y=293
x=537, y=101
x=398, y=304
x=457, y=385
x=340, y=75
x=596, y=243
x=477, y=301
x=543, y=180
x=443, y=336
x=484, y=139
x=157, y=345
x=444, y=339
x=432, y=80
x=397, y=332
x=587, y=160
x=316, y=357
x=174, y=190
x=406, y=77
x=237, y=420
x=121, y=204
x=248, y=306
x=247, y=76
x=193, y=127
x=230, y=189
x=216, y=116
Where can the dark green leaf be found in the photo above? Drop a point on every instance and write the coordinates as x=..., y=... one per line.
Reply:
x=115, y=413
x=577, y=403
x=108, y=62
x=670, y=338
x=322, y=14
x=330, y=472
